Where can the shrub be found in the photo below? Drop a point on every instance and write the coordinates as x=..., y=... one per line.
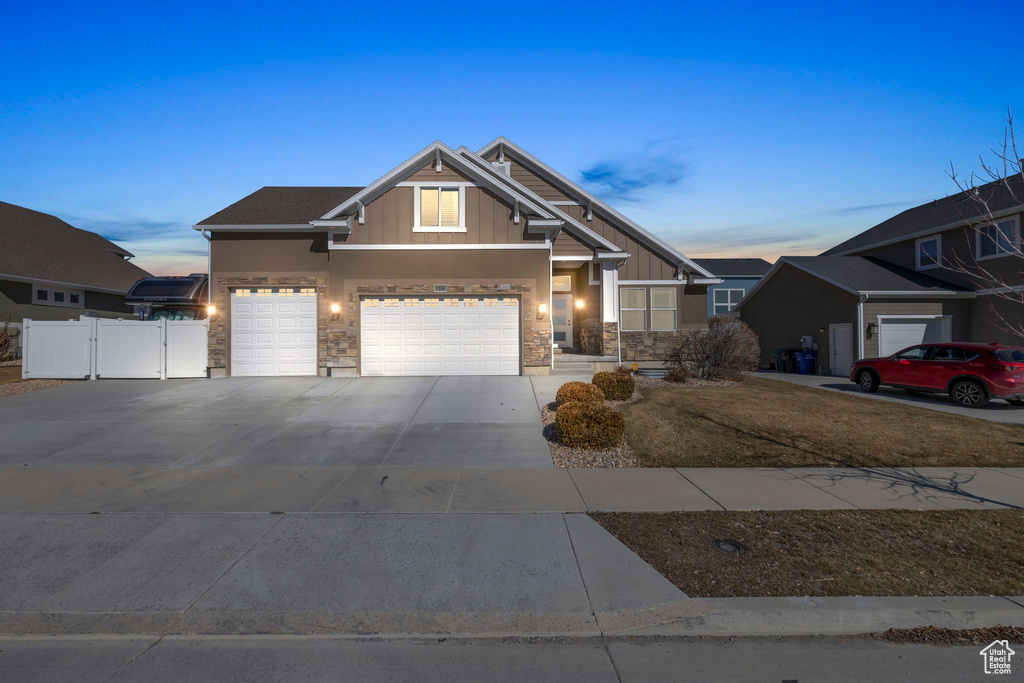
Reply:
x=616, y=386
x=589, y=425
x=578, y=392
x=678, y=375
x=726, y=349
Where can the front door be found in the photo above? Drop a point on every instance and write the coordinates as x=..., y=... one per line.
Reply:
x=561, y=319
x=840, y=344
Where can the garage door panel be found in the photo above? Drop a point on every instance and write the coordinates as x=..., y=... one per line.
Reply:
x=274, y=334
x=441, y=335
x=896, y=334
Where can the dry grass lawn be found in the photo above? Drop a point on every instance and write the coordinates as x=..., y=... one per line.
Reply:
x=10, y=373
x=831, y=552
x=767, y=423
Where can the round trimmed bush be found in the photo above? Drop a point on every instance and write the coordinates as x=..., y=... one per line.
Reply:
x=616, y=386
x=580, y=392
x=589, y=425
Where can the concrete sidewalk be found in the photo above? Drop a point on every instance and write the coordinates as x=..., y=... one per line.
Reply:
x=390, y=574
x=596, y=660
x=502, y=490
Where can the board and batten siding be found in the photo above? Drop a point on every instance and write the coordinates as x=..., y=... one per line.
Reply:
x=794, y=303
x=429, y=173
x=568, y=245
x=957, y=309
x=532, y=181
x=643, y=264
x=389, y=220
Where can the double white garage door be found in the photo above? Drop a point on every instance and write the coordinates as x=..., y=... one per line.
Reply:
x=440, y=336
x=274, y=332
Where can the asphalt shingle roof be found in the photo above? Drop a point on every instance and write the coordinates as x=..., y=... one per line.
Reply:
x=281, y=206
x=732, y=267
x=865, y=274
x=935, y=214
x=39, y=246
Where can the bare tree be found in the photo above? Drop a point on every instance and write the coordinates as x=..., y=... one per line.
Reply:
x=726, y=349
x=986, y=197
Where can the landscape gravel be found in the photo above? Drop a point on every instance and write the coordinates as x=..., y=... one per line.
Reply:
x=28, y=385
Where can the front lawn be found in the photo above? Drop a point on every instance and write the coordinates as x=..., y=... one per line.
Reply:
x=830, y=552
x=766, y=423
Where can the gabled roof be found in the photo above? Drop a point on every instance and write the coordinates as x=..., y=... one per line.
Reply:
x=281, y=206
x=38, y=246
x=940, y=214
x=735, y=267
x=572, y=225
x=863, y=275
x=571, y=188
x=416, y=162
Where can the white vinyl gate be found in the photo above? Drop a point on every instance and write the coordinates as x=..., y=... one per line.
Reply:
x=439, y=335
x=102, y=348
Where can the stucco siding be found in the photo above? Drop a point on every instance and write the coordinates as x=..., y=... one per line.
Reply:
x=793, y=303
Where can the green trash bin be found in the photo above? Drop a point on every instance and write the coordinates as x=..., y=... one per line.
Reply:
x=777, y=356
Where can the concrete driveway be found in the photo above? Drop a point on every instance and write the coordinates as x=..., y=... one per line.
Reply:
x=996, y=411
x=288, y=422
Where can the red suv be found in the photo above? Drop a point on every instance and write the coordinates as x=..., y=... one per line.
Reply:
x=972, y=374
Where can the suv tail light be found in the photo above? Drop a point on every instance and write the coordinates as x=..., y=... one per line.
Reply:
x=1000, y=368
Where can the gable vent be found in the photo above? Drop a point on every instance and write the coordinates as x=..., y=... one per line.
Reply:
x=503, y=166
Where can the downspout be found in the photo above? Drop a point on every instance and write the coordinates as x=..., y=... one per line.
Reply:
x=860, y=325
x=209, y=267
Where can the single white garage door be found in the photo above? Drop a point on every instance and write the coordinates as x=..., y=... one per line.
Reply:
x=273, y=331
x=896, y=334
x=439, y=336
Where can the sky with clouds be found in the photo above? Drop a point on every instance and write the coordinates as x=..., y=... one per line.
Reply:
x=736, y=129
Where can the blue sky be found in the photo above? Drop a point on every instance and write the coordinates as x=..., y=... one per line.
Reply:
x=729, y=129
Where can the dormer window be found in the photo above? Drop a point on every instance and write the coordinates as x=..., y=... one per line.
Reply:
x=439, y=209
x=998, y=239
x=929, y=252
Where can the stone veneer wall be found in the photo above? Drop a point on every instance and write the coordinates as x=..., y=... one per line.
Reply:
x=342, y=340
x=639, y=346
x=221, y=298
x=598, y=338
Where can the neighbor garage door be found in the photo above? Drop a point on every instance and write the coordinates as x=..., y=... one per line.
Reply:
x=895, y=334
x=439, y=336
x=273, y=331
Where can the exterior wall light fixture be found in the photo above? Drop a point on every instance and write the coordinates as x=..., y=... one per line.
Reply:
x=335, y=312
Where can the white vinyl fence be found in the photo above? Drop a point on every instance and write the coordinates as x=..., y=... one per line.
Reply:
x=101, y=348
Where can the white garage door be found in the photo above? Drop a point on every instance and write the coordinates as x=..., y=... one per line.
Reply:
x=273, y=331
x=440, y=336
x=896, y=334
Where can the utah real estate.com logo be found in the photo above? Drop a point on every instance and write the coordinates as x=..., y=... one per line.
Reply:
x=997, y=657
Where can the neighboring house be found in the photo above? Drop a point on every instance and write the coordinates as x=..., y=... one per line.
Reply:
x=897, y=284
x=738, y=275
x=50, y=270
x=454, y=262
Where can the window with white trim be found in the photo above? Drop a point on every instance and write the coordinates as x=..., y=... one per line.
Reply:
x=48, y=296
x=663, y=308
x=997, y=239
x=929, y=252
x=439, y=209
x=726, y=299
x=633, y=309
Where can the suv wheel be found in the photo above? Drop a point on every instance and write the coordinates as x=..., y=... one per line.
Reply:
x=969, y=394
x=867, y=381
